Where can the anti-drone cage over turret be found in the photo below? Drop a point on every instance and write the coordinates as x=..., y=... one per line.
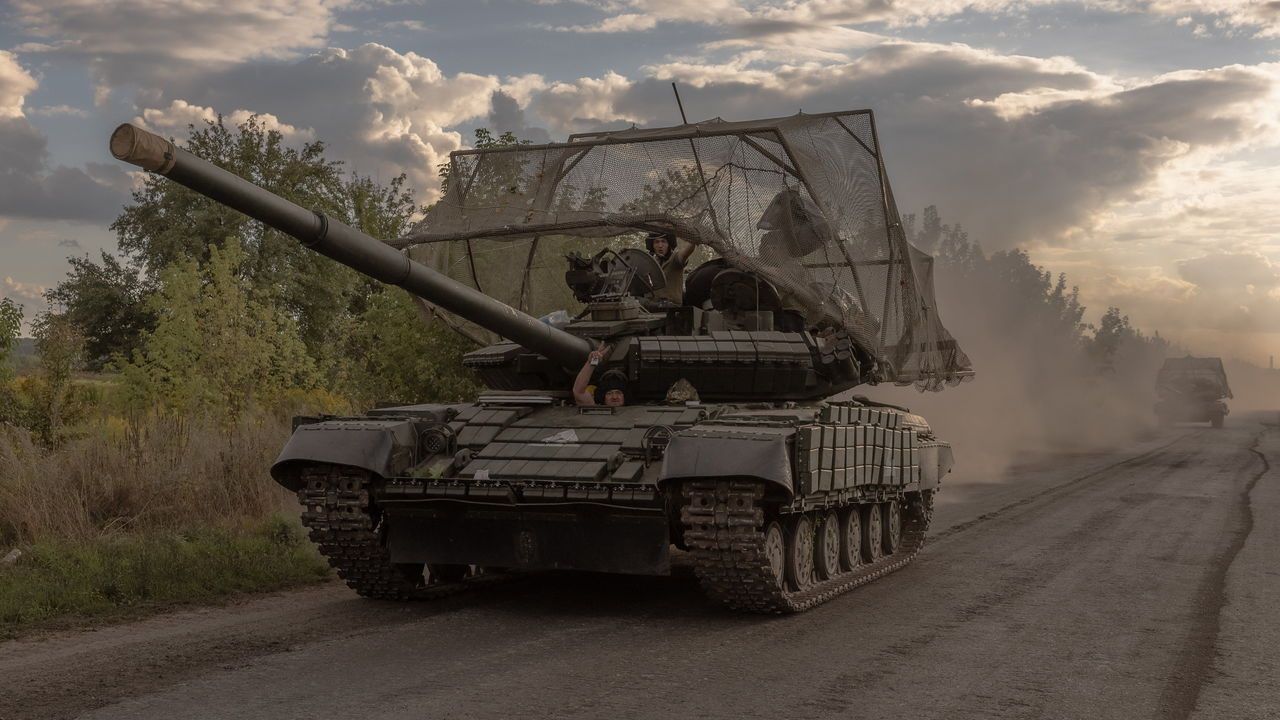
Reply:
x=804, y=201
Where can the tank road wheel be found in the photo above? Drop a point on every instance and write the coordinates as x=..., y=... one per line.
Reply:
x=800, y=553
x=850, y=538
x=827, y=546
x=775, y=550
x=892, y=526
x=872, y=532
x=749, y=561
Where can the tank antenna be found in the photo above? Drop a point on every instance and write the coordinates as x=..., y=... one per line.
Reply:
x=679, y=104
x=697, y=161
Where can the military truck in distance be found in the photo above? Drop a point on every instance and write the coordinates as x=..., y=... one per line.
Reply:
x=1192, y=389
x=782, y=497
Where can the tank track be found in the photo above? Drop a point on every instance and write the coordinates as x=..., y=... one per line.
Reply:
x=724, y=523
x=339, y=516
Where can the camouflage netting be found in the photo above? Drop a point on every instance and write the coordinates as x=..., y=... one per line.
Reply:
x=803, y=201
x=1193, y=376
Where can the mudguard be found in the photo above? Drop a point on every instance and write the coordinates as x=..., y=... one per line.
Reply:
x=383, y=447
x=935, y=459
x=722, y=451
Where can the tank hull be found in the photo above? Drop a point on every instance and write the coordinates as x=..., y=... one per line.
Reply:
x=531, y=486
x=633, y=541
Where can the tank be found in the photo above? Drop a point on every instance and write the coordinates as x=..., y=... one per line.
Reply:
x=1192, y=389
x=738, y=447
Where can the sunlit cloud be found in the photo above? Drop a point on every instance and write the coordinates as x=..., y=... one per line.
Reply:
x=180, y=115
x=15, y=84
x=143, y=41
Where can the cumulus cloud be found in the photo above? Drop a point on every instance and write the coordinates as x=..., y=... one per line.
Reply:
x=140, y=41
x=1259, y=16
x=15, y=84
x=180, y=115
x=29, y=186
x=1232, y=273
x=25, y=293
x=788, y=18
x=506, y=115
x=1233, y=292
x=1144, y=256
x=383, y=111
x=588, y=104
x=1204, y=202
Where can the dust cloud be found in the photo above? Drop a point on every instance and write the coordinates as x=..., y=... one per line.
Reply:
x=1037, y=389
x=1256, y=389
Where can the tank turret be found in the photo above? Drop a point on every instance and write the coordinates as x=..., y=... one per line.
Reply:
x=346, y=245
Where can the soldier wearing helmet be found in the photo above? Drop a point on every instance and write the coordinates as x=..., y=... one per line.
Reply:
x=612, y=388
x=671, y=255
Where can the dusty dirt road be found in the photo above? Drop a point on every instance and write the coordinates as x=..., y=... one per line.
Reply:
x=1139, y=583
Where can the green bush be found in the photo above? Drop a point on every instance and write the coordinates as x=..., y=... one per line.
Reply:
x=127, y=573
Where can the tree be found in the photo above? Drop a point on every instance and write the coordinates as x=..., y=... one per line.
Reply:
x=105, y=301
x=168, y=224
x=205, y=310
x=10, y=326
x=11, y=410
x=397, y=359
x=931, y=229
x=1113, y=329
x=504, y=172
x=217, y=347
x=54, y=401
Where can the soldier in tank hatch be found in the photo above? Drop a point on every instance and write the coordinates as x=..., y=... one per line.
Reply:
x=672, y=256
x=612, y=388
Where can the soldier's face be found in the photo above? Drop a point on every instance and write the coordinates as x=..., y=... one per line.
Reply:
x=660, y=247
x=614, y=398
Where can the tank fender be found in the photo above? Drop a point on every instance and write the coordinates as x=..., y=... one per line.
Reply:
x=383, y=447
x=713, y=452
x=935, y=459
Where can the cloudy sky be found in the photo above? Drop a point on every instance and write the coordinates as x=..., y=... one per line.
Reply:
x=1134, y=144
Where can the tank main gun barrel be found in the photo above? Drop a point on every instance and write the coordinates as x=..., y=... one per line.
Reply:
x=346, y=245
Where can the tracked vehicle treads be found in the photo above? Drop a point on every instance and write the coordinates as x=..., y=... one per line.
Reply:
x=732, y=443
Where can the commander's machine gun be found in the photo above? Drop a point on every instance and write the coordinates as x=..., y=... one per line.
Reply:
x=783, y=494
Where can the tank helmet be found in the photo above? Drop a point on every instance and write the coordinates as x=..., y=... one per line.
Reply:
x=612, y=380
x=667, y=235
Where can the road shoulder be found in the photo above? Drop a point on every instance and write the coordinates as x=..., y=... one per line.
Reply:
x=1244, y=680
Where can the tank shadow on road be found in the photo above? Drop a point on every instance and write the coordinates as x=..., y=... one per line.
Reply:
x=565, y=595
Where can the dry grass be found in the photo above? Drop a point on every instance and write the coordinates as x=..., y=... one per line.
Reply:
x=133, y=517
x=155, y=474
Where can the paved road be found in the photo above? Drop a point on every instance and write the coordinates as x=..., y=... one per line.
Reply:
x=1129, y=584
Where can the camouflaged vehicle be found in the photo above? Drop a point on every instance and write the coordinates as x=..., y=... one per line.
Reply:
x=731, y=447
x=1192, y=389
